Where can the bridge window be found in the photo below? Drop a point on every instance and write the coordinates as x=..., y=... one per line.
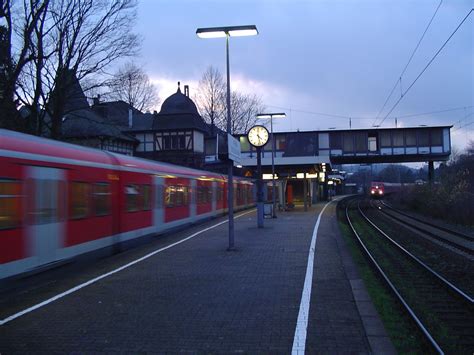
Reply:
x=348, y=142
x=244, y=144
x=436, y=136
x=372, y=144
x=423, y=138
x=361, y=142
x=280, y=142
x=385, y=139
x=410, y=138
x=398, y=139
x=335, y=140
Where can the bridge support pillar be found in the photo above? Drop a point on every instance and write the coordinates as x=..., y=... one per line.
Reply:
x=431, y=172
x=282, y=194
x=305, y=192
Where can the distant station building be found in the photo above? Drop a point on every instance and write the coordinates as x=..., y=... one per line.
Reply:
x=303, y=160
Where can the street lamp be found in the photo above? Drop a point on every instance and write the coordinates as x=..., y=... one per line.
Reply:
x=217, y=32
x=271, y=116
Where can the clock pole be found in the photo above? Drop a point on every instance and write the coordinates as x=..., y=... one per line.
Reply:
x=259, y=189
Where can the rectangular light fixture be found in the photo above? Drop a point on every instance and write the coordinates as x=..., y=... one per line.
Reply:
x=232, y=31
x=271, y=115
x=269, y=176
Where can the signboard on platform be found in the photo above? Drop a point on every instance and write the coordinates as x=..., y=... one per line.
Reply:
x=233, y=146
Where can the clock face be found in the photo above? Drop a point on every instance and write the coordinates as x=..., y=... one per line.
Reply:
x=258, y=136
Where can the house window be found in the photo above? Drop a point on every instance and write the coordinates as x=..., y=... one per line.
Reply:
x=173, y=140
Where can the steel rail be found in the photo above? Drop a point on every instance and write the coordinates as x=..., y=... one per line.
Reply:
x=444, y=229
x=453, y=287
x=453, y=244
x=393, y=288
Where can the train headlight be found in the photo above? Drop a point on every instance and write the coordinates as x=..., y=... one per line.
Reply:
x=372, y=192
x=380, y=192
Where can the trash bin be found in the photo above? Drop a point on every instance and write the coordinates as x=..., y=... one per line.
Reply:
x=268, y=210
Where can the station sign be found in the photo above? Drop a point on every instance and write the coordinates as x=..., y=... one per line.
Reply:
x=233, y=147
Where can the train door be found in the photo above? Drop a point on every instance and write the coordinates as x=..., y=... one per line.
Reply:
x=158, y=214
x=46, y=212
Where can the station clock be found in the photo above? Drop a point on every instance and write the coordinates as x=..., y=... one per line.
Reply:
x=258, y=136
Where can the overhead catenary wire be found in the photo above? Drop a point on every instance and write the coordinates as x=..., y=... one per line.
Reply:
x=426, y=67
x=399, y=80
x=369, y=118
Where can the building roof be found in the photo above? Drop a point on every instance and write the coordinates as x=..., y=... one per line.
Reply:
x=178, y=104
x=86, y=123
x=179, y=112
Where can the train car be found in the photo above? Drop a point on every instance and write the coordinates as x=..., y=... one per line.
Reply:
x=58, y=200
x=380, y=189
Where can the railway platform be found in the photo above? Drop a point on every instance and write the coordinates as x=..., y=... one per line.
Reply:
x=183, y=292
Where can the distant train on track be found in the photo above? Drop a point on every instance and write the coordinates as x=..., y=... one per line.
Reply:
x=59, y=200
x=379, y=189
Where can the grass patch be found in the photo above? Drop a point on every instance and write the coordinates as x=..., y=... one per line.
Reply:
x=404, y=334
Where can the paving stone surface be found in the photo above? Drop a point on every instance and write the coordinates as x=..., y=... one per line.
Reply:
x=199, y=298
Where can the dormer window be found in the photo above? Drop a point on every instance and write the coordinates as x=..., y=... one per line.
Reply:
x=180, y=140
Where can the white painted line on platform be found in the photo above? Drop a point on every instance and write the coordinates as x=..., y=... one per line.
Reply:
x=299, y=341
x=94, y=280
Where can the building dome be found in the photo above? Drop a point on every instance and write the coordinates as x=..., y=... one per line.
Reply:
x=179, y=103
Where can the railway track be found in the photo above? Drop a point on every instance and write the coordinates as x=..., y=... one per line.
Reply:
x=455, y=239
x=442, y=311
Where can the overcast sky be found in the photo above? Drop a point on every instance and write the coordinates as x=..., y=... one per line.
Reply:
x=333, y=57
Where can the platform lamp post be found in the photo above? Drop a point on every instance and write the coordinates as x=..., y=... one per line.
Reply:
x=220, y=32
x=271, y=116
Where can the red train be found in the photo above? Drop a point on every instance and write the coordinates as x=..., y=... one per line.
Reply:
x=59, y=200
x=380, y=189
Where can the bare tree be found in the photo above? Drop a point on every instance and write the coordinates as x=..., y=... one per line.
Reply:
x=211, y=97
x=131, y=84
x=244, y=110
x=65, y=42
x=20, y=30
x=211, y=101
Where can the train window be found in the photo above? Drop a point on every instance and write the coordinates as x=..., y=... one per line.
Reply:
x=102, y=199
x=176, y=196
x=146, y=192
x=132, y=195
x=203, y=195
x=79, y=200
x=9, y=204
x=181, y=195
x=170, y=196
